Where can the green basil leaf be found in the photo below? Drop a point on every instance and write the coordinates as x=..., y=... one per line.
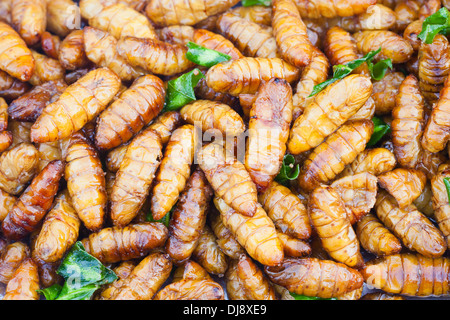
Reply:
x=380, y=129
x=204, y=56
x=248, y=3
x=180, y=91
x=439, y=22
x=52, y=292
x=288, y=171
x=379, y=69
x=83, y=293
x=447, y=186
x=301, y=297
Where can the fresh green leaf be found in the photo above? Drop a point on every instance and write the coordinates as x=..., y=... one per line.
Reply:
x=301, y=297
x=248, y=3
x=288, y=171
x=204, y=56
x=83, y=293
x=52, y=292
x=180, y=91
x=380, y=129
x=447, y=186
x=439, y=22
x=379, y=69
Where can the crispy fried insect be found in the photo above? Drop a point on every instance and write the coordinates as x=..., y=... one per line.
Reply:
x=29, y=106
x=18, y=166
x=176, y=34
x=224, y=237
x=392, y=45
x=315, y=278
x=434, y=67
x=174, y=170
x=291, y=33
x=246, y=74
x=4, y=114
x=5, y=11
x=286, y=210
x=15, y=57
x=100, y=48
x=367, y=111
x=375, y=161
x=352, y=295
x=189, y=218
x=78, y=104
x=334, y=8
x=145, y=279
x=59, y=231
x=135, y=176
x=409, y=274
x=63, y=16
x=313, y=74
x=358, y=192
x=406, y=11
x=229, y=178
x=190, y=270
x=258, y=13
x=331, y=156
x=375, y=237
x=50, y=44
x=165, y=124
x=127, y=115
x=203, y=92
x=33, y=203
x=269, y=125
x=216, y=42
x=183, y=12
x=12, y=88
x=250, y=38
x=123, y=270
x=11, y=258
x=29, y=19
x=381, y=296
x=154, y=56
x=409, y=225
x=20, y=132
x=385, y=91
x=120, y=21
x=91, y=8
x=213, y=115
x=424, y=201
x=329, y=217
x=6, y=140
x=115, y=244
x=294, y=247
x=256, y=234
x=405, y=185
x=72, y=55
x=206, y=289
x=6, y=203
x=440, y=202
x=411, y=34
x=46, y=69
x=330, y=108
x=48, y=152
x=24, y=282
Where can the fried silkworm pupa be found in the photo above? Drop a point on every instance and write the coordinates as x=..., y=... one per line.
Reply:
x=206, y=289
x=15, y=57
x=165, y=124
x=24, y=284
x=330, y=108
x=190, y=270
x=213, y=115
x=291, y=33
x=29, y=19
x=313, y=74
x=250, y=38
x=135, y=176
x=375, y=161
x=18, y=166
x=48, y=152
x=91, y=8
x=100, y=48
x=440, y=201
x=411, y=34
x=411, y=227
x=115, y=244
x=256, y=234
x=180, y=12
x=385, y=92
x=5, y=11
x=29, y=106
x=208, y=254
x=331, y=156
x=229, y=178
x=329, y=217
x=358, y=192
x=50, y=45
x=154, y=56
x=174, y=170
x=134, y=109
x=245, y=75
x=80, y=103
x=63, y=16
x=329, y=9
x=258, y=13
x=188, y=218
x=176, y=34
x=424, y=201
x=46, y=69
x=315, y=278
x=72, y=55
x=12, y=88
x=434, y=67
x=294, y=247
x=4, y=114
x=408, y=274
x=393, y=46
x=224, y=237
x=6, y=203
x=120, y=21
x=286, y=210
x=216, y=42
x=34, y=202
x=86, y=183
x=11, y=258
x=6, y=140
x=404, y=184
x=145, y=279
x=375, y=237
x=59, y=230
x=437, y=130
x=270, y=120
x=123, y=270
x=381, y=296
